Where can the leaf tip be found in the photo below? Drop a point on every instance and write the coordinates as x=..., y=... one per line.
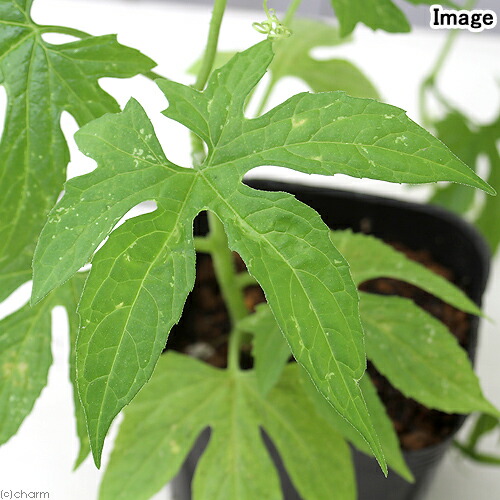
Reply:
x=97, y=459
x=96, y=446
x=483, y=185
x=490, y=190
x=379, y=456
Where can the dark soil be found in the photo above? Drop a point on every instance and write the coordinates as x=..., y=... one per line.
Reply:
x=204, y=328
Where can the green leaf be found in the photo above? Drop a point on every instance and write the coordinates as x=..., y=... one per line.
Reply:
x=331, y=133
x=293, y=58
x=42, y=80
x=454, y=131
x=163, y=422
x=25, y=358
x=385, y=429
x=235, y=463
x=270, y=349
x=370, y=258
x=376, y=14
x=382, y=14
x=284, y=243
x=419, y=356
x=487, y=221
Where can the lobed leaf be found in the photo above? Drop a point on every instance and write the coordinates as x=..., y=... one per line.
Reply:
x=42, y=80
x=235, y=463
x=330, y=133
x=370, y=258
x=284, y=243
x=285, y=246
x=419, y=356
x=163, y=422
x=93, y=204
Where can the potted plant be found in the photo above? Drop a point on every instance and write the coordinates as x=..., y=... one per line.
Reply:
x=140, y=278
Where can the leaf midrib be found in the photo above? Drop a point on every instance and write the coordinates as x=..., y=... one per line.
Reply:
x=331, y=142
x=350, y=145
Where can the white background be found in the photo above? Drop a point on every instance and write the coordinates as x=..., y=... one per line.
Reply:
x=41, y=455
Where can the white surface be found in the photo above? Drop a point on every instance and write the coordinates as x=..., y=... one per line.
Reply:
x=40, y=456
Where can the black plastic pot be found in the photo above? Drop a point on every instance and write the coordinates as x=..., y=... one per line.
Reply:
x=452, y=242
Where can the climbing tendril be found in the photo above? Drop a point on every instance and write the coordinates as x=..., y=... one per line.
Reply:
x=272, y=26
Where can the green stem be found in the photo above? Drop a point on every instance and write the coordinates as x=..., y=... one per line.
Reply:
x=203, y=244
x=430, y=80
x=224, y=267
x=217, y=242
x=291, y=12
x=205, y=70
x=442, y=56
x=211, y=48
x=233, y=354
x=425, y=117
x=267, y=94
x=245, y=279
x=225, y=270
